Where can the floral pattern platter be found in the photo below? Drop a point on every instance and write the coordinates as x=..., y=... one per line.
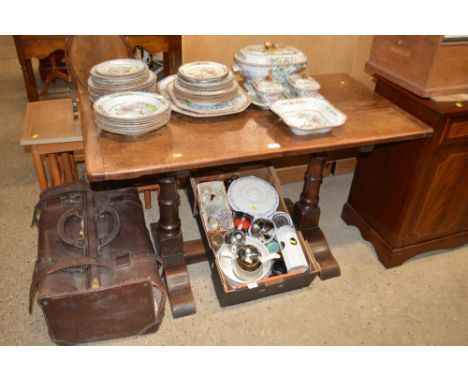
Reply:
x=239, y=104
x=308, y=115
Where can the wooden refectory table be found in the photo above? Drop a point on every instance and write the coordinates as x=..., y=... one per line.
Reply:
x=188, y=143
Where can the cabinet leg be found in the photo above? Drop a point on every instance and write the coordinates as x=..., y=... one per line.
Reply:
x=306, y=215
x=170, y=245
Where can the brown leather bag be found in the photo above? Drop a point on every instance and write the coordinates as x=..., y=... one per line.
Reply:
x=96, y=275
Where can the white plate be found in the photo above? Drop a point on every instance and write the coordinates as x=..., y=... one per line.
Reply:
x=203, y=71
x=125, y=67
x=240, y=103
x=253, y=196
x=131, y=105
x=308, y=115
x=226, y=266
x=206, y=86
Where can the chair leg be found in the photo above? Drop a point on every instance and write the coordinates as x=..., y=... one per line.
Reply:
x=147, y=196
x=39, y=167
x=74, y=169
x=67, y=168
x=54, y=169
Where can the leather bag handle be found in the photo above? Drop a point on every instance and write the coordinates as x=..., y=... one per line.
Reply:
x=62, y=223
x=115, y=226
x=79, y=242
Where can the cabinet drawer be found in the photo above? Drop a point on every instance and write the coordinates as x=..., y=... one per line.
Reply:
x=456, y=130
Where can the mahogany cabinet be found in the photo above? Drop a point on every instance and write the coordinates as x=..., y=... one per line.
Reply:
x=412, y=197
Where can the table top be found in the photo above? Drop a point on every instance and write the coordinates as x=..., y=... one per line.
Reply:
x=50, y=121
x=452, y=107
x=187, y=143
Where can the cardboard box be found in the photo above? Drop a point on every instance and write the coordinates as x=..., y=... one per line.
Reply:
x=268, y=286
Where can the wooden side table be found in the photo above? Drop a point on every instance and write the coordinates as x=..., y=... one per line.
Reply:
x=50, y=130
x=419, y=200
x=56, y=138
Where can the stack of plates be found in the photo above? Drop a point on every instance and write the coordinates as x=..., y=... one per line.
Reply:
x=131, y=113
x=204, y=89
x=120, y=75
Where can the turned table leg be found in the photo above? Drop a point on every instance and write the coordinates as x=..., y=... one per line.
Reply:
x=306, y=214
x=170, y=245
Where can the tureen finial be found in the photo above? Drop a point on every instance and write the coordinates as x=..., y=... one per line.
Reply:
x=270, y=45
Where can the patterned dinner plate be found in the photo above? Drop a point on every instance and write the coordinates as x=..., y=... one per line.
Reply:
x=125, y=67
x=131, y=106
x=203, y=71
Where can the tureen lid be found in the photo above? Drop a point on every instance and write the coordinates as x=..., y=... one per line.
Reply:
x=270, y=54
x=303, y=82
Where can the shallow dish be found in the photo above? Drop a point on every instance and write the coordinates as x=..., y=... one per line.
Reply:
x=308, y=115
x=131, y=105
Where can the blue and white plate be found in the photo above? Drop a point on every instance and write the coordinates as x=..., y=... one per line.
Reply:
x=254, y=196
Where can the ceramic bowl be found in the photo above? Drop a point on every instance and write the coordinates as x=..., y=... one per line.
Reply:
x=308, y=115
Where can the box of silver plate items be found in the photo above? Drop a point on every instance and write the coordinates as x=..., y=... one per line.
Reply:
x=209, y=189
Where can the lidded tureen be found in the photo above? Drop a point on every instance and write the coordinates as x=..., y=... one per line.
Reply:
x=259, y=61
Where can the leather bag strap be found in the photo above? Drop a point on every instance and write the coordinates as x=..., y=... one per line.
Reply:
x=60, y=266
x=42, y=272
